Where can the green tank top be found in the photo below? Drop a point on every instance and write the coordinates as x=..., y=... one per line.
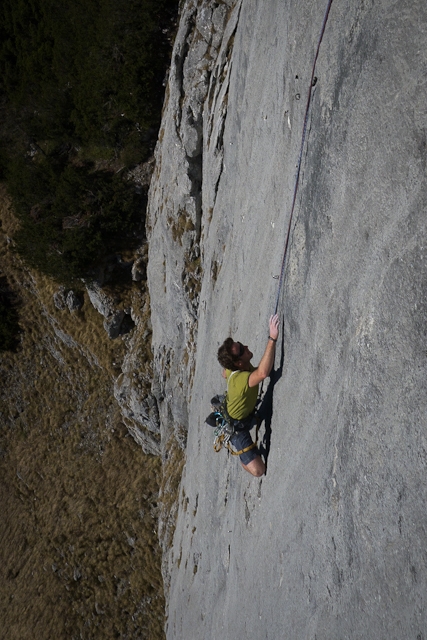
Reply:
x=241, y=398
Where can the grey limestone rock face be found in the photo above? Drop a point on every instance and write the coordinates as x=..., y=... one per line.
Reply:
x=139, y=270
x=59, y=299
x=113, y=323
x=330, y=544
x=73, y=301
x=174, y=219
x=117, y=321
x=64, y=299
x=101, y=302
x=139, y=413
x=132, y=391
x=174, y=210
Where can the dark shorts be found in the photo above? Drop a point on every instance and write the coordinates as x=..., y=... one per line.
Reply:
x=241, y=440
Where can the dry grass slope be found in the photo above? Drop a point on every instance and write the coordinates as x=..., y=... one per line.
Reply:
x=79, y=556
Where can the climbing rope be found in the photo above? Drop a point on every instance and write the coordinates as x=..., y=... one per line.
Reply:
x=307, y=109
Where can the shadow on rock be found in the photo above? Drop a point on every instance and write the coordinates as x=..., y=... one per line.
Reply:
x=265, y=410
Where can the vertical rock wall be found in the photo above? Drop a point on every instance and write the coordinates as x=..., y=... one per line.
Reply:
x=331, y=542
x=175, y=211
x=176, y=215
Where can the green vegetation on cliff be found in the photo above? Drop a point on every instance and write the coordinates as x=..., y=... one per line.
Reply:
x=81, y=90
x=88, y=73
x=71, y=216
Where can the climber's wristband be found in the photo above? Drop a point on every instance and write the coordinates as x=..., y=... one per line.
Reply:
x=273, y=339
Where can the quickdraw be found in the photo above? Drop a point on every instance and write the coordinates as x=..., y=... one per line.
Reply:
x=223, y=440
x=225, y=427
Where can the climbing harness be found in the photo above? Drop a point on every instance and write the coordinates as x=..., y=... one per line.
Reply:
x=226, y=426
x=312, y=83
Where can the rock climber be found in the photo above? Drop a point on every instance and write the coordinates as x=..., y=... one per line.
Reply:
x=242, y=391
